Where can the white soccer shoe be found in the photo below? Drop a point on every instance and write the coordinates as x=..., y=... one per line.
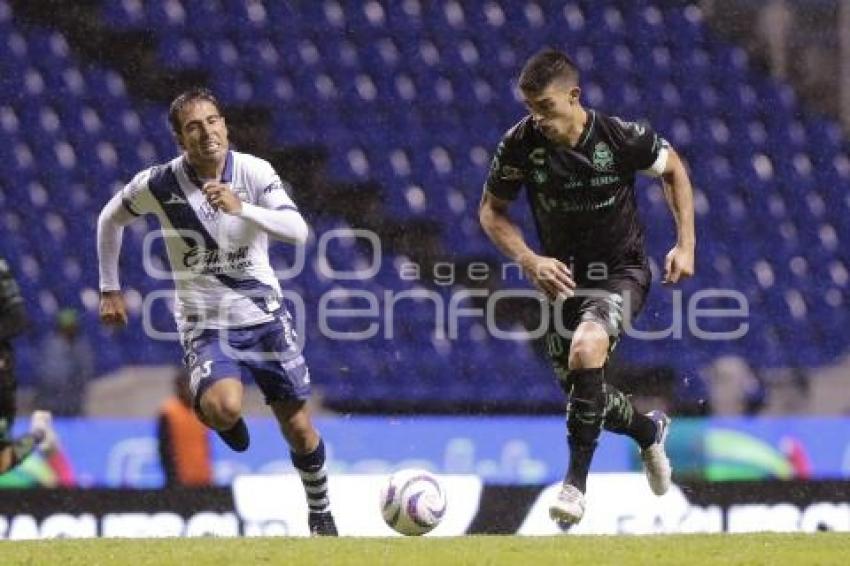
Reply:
x=41, y=425
x=655, y=461
x=568, y=508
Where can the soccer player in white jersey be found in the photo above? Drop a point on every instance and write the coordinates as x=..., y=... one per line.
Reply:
x=217, y=208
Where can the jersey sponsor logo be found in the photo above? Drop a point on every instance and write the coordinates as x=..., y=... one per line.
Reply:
x=603, y=157
x=208, y=261
x=538, y=156
x=175, y=199
x=604, y=180
x=583, y=204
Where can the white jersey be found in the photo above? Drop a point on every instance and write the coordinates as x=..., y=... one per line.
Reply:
x=219, y=262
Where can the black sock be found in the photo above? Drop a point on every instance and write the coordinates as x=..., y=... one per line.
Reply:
x=621, y=418
x=585, y=414
x=237, y=436
x=314, y=476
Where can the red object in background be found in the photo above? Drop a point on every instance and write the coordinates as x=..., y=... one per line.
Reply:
x=61, y=466
x=797, y=457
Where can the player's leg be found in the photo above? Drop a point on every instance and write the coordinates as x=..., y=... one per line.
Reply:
x=285, y=381
x=586, y=389
x=219, y=407
x=580, y=365
x=216, y=387
x=564, y=350
x=648, y=431
x=307, y=451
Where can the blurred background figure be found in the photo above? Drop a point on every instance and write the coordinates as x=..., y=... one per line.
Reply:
x=184, y=447
x=48, y=466
x=13, y=321
x=67, y=366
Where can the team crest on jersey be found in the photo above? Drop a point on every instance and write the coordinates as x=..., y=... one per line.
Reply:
x=603, y=157
x=539, y=176
x=207, y=211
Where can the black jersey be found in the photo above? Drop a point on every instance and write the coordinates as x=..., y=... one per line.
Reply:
x=582, y=198
x=12, y=314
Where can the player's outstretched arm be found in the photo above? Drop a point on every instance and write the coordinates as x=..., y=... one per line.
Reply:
x=110, y=232
x=548, y=274
x=679, y=262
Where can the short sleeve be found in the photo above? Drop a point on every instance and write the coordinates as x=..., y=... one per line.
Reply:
x=274, y=192
x=640, y=148
x=136, y=196
x=507, y=170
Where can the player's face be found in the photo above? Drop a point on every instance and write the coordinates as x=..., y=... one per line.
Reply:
x=203, y=132
x=554, y=109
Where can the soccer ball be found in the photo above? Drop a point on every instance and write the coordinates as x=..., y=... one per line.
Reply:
x=413, y=502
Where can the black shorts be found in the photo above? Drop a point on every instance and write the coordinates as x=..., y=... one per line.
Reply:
x=609, y=302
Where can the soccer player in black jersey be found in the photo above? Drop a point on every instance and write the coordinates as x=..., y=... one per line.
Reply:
x=13, y=321
x=578, y=167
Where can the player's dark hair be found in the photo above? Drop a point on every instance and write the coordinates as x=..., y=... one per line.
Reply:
x=544, y=67
x=186, y=97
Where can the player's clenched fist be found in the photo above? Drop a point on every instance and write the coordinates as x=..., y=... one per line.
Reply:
x=222, y=198
x=678, y=264
x=113, y=312
x=549, y=275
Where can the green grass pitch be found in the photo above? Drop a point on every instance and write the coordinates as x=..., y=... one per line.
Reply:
x=689, y=550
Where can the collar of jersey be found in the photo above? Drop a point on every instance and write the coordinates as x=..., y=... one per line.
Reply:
x=226, y=174
x=588, y=128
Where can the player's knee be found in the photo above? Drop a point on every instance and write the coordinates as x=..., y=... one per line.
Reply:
x=230, y=409
x=589, y=347
x=222, y=411
x=589, y=352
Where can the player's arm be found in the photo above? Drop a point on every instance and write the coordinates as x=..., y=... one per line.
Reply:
x=645, y=151
x=110, y=233
x=503, y=184
x=679, y=262
x=547, y=273
x=277, y=215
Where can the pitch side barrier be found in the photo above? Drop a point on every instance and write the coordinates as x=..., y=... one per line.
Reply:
x=273, y=506
x=500, y=450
